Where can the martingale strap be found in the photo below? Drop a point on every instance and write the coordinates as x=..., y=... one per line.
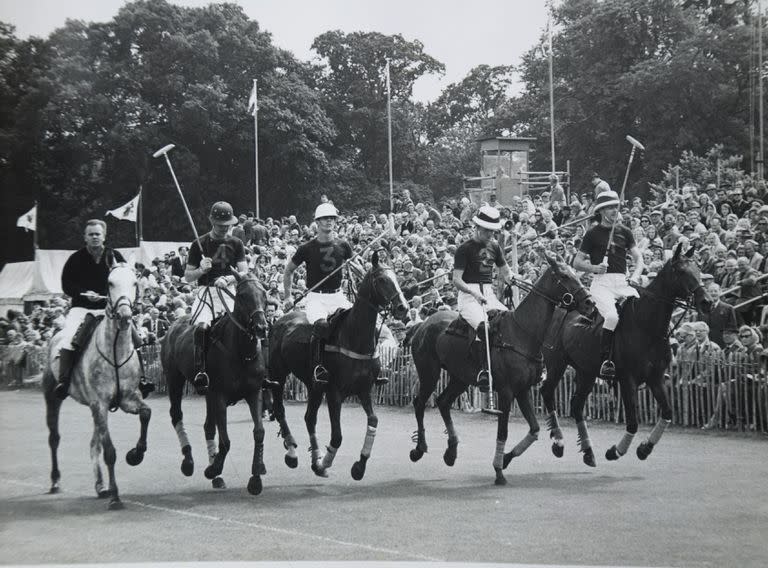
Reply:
x=349, y=353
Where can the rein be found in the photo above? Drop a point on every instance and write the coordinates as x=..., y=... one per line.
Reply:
x=686, y=305
x=246, y=329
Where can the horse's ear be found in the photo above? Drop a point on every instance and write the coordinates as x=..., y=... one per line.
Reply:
x=238, y=276
x=375, y=259
x=689, y=252
x=677, y=251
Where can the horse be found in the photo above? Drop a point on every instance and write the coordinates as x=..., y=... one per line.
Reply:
x=515, y=363
x=349, y=358
x=235, y=365
x=105, y=377
x=641, y=353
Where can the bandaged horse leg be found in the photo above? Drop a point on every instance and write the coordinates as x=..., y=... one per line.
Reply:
x=444, y=403
x=187, y=463
x=101, y=491
x=526, y=407
x=214, y=470
x=310, y=419
x=660, y=394
x=278, y=407
x=578, y=401
x=333, y=400
x=257, y=465
x=629, y=398
x=555, y=433
x=358, y=468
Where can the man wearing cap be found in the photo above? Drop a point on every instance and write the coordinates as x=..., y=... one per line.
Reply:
x=609, y=280
x=322, y=255
x=473, y=278
x=211, y=268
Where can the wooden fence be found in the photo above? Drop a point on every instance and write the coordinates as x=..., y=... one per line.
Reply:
x=714, y=394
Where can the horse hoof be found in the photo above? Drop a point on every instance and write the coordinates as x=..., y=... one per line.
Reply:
x=54, y=490
x=291, y=461
x=416, y=454
x=589, y=458
x=449, y=457
x=116, y=505
x=187, y=467
x=134, y=457
x=103, y=493
x=500, y=479
x=358, y=470
x=612, y=454
x=319, y=470
x=211, y=472
x=218, y=483
x=644, y=450
x=558, y=449
x=254, y=485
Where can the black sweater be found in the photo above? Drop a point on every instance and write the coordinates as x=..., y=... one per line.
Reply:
x=81, y=273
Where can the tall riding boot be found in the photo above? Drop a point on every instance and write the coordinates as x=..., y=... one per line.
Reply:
x=607, y=369
x=145, y=386
x=67, y=360
x=201, y=381
x=483, y=376
x=320, y=373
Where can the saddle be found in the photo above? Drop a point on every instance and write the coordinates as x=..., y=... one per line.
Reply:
x=597, y=324
x=85, y=331
x=326, y=329
x=474, y=350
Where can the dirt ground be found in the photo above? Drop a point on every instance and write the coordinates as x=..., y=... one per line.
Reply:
x=701, y=499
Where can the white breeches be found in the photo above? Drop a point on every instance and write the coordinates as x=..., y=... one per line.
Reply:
x=72, y=321
x=471, y=310
x=208, y=301
x=322, y=305
x=606, y=289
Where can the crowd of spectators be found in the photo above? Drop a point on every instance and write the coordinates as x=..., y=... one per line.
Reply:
x=727, y=226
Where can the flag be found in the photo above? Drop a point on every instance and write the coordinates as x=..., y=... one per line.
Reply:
x=388, y=85
x=28, y=221
x=253, y=100
x=127, y=212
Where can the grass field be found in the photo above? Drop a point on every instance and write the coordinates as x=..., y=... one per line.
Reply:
x=701, y=499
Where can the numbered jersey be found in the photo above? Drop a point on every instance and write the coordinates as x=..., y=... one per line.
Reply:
x=322, y=259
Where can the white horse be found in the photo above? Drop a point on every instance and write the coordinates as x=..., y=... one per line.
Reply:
x=106, y=377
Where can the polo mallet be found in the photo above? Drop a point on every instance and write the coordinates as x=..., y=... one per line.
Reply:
x=491, y=409
x=635, y=146
x=164, y=152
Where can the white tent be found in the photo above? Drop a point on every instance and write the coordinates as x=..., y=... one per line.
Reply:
x=15, y=281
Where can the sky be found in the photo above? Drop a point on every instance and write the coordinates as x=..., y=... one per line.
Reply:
x=458, y=33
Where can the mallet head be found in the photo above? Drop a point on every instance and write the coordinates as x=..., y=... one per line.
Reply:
x=164, y=150
x=635, y=143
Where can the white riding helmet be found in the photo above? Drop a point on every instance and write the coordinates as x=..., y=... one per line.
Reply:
x=325, y=210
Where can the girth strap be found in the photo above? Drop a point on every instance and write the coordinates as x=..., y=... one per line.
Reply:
x=349, y=353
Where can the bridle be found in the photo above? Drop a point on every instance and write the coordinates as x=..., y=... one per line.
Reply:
x=112, y=306
x=568, y=300
x=249, y=328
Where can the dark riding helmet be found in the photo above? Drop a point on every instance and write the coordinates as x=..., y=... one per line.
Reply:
x=221, y=212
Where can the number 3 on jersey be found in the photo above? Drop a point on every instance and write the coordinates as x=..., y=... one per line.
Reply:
x=328, y=261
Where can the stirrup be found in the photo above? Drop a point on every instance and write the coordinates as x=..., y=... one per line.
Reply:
x=320, y=375
x=482, y=382
x=61, y=390
x=146, y=387
x=607, y=370
x=201, y=382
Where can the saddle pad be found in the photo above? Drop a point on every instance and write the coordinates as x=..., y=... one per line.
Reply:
x=461, y=328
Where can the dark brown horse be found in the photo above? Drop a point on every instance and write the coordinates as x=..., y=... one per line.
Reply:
x=105, y=377
x=235, y=366
x=515, y=360
x=641, y=353
x=349, y=358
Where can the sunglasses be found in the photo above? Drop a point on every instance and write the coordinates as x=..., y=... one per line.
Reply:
x=745, y=335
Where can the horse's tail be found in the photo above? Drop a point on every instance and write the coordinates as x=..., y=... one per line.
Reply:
x=409, y=333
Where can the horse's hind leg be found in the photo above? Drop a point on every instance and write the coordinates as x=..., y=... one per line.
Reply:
x=333, y=399
x=99, y=412
x=358, y=468
x=310, y=419
x=278, y=408
x=209, y=429
x=444, y=403
x=506, y=397
x=554, y=376
x=584, y=386
x=629, y=398
x=175, y=392
x=428, y=378
x=219, y=406
x=257, y=466
x=134, y=405
x=52, y=408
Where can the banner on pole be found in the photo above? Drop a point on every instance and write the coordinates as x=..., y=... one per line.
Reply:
x=127, y=212
x=28, y=221
x=253, y=100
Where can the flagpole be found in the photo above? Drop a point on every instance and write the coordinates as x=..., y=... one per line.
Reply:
x=256, y=142
x=139, y=219
x=389, y=140
x=551, y=96
x=34, y=236
x=760, y=162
